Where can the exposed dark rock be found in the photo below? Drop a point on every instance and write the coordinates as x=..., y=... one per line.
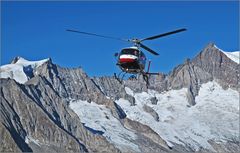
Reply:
x=120, y=112
x=152, y=112
x=7, y=142
x=190, y=96
x=130, y=98
x=15, y=60
x=149, y=140
x=154, y=100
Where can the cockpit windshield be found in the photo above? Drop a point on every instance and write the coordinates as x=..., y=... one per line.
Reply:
x=130, y=51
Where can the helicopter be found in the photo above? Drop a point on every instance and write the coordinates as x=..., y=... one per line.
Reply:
x=132, y=60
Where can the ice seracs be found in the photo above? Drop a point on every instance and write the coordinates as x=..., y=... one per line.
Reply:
x=21, y=70
x=214, y=117
x=99, y=120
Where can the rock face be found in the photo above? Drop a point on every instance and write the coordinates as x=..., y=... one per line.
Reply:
x=210, y=64
x=151, y=111
x=41, y=117
x=36, y=116
x=219, y=66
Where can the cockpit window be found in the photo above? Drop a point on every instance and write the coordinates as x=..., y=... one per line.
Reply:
x=130, y=51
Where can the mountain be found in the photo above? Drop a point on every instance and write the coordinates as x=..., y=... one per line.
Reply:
x=194, y=108
x=20, y=69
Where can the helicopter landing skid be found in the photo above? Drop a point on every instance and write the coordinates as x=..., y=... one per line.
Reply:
x=120, y=76
x=146, y=78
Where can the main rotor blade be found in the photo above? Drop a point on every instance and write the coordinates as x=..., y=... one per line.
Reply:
x=148, y=49
x=93, y=34
x=164, y=34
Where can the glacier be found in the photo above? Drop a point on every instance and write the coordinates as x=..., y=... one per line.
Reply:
x=214, y=117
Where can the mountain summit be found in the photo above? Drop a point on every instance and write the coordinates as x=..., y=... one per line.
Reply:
x=20, y=69
x=194, y=108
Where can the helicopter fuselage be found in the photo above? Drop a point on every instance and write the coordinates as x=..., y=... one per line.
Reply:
x=131, y=60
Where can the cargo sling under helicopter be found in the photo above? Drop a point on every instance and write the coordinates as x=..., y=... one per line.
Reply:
x=131, y=59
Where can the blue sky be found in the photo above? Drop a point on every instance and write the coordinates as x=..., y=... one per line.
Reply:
x=36, y=30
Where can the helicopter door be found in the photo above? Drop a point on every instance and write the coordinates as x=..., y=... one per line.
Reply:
x=142, y=60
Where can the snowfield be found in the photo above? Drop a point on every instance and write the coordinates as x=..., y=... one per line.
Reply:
x=20, y=71
x=214, y=117
x=234, y=56
x=99, y=120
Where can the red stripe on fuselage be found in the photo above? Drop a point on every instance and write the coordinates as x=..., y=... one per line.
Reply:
x=124, y=60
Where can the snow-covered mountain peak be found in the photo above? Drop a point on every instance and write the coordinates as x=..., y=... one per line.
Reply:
x=234, y=56
x=22, y=61
x=20, y=69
